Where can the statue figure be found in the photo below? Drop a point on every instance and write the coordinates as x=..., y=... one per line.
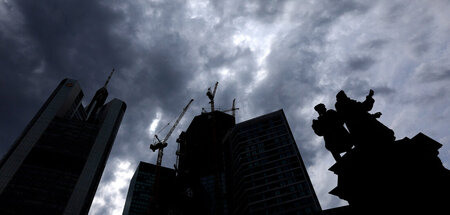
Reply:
x=362, y=125
x=377, y=168
x=331, y=127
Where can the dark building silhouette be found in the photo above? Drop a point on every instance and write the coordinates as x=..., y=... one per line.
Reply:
x=202, y=176
x=268, y=175
x=142, y=187
x=253, y=167
x=343, y=210
x=55, y=165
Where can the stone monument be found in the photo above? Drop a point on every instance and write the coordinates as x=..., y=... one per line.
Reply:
x=379, y=174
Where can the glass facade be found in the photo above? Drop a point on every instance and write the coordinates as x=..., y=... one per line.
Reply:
x=268, y=174
x=215, y=190
x=141, y=193
x=253, y=167
x=54, y=167
x=47, y=177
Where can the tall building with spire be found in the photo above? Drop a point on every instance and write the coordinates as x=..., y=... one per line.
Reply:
x=55, y=165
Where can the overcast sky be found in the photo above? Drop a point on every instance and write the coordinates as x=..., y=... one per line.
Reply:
x=269, y=55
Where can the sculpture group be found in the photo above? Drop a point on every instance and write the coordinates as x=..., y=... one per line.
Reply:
x=378, y=174
x=364, y=130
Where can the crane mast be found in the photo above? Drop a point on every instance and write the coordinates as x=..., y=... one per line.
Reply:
x=162, y=144
x=233, y=109
x=211, y=96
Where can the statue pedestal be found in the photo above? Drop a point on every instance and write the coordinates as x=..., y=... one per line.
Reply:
x=400, y=177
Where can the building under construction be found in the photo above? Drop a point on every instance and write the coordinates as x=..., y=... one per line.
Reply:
x=222, y=168
x=202, y=160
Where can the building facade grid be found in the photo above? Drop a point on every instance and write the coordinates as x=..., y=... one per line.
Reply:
x=268, y=174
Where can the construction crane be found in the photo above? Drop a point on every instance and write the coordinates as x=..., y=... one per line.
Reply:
x=211, y=96
x=233, y=109
x=215, y=146
x=162, y=144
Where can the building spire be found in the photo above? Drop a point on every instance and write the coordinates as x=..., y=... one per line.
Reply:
x=109, y=78
x=98, y=100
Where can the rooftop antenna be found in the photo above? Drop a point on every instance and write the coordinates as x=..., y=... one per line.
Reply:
x=98, y=100
x=109, y=78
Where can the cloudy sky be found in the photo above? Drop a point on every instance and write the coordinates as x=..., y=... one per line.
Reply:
x=267, y=54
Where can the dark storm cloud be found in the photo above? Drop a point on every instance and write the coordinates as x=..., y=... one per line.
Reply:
x=55, y=40
x=360, y=63
x=261, y=10
x=292, y=80
x=157, y=80
x=435, y=75
x=268, y=55
x=358, y=88
x=21, y=102
x=73, y=36
x=84, y=40
x=383, y=90
x=267, y=11
x=294, y=56
x=375, y=44
x=224, y=58
x=18, y=83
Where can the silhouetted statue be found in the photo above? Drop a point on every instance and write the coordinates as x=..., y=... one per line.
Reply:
x=381, y=175
x=363, y=126
x=331, y=127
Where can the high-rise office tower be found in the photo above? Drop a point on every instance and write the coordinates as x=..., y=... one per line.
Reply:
x=268, y=175
x=253, y=167
x=142, y=189
x=55, y=165
x=199, y=187
x=201, y=165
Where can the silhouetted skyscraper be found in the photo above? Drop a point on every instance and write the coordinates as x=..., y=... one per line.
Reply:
x=55, y=165
x=202, y=175
x=268, y=175
x=142, y=187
